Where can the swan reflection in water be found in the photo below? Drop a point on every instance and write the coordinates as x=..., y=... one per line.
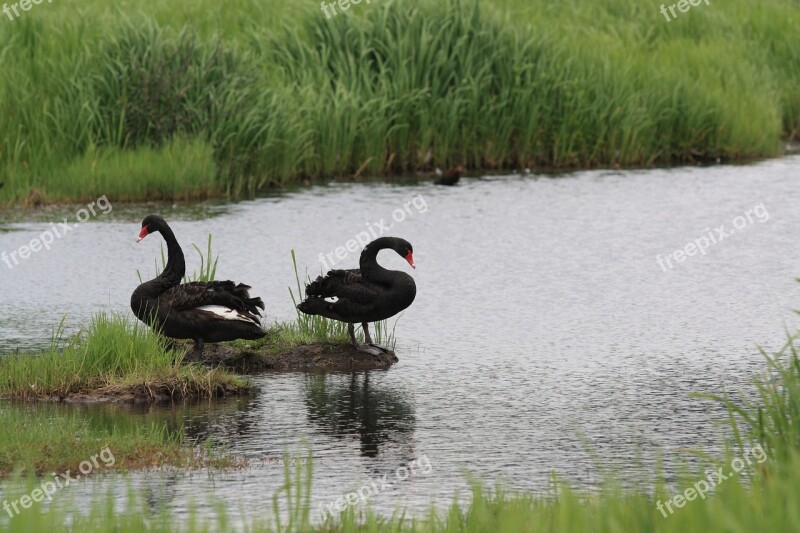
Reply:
x=349, y=406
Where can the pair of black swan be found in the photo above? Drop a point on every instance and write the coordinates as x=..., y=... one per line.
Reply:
x=218, y=311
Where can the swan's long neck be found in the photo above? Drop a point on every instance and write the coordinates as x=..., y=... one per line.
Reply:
x=368, y=264
x=176, y=266
x=170, y=277
x=144, y=300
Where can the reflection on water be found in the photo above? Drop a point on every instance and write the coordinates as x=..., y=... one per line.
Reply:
x=544, y=337
x=352, y=412
x=353, y=409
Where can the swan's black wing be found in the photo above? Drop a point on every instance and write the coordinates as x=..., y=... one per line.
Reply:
x=345, y=285
x=201, y=293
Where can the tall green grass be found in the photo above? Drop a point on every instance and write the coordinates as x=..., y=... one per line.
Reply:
x=771, y=417
x=146, y=100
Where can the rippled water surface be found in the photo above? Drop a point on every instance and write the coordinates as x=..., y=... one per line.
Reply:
x=544, y=337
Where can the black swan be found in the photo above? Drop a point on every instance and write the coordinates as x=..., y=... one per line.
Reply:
x=205, y=311
x=364, y=295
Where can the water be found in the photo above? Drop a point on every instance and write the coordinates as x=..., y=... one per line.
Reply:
x=544, y=337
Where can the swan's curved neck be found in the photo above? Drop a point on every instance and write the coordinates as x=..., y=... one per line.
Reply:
x=176, y=266
x=368, y=263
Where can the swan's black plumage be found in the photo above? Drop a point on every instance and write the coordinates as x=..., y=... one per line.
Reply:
x=368, y=294
x=205, y=311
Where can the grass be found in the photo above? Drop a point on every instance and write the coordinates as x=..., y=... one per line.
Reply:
x=208, y=264
x=188, y=163
x=145, y=100
x=771, y=417
x=50, y=438
x=111, y=357
x=312, y=329
x=308, y=343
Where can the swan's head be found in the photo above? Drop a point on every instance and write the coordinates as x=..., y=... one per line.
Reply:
x=405, y=250
x=151, y=224
x=401, y=246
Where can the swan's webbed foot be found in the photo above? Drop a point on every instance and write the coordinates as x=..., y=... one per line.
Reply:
x=381, y=349
x=376, y=349
x=369, y=346
x=372, y=349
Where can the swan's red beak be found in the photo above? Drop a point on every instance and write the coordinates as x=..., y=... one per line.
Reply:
x=410, y=259
x=142, y=234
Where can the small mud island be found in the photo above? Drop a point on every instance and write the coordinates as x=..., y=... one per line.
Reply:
x=222, y=361
x=320, y=356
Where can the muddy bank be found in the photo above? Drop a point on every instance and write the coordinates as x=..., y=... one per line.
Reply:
x=307, y=357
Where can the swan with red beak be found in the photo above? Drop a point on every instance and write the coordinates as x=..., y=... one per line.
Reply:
x=205, y=311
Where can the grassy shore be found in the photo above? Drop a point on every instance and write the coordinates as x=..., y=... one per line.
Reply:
x=147, y=100
x=112, y=358
x=762, y=499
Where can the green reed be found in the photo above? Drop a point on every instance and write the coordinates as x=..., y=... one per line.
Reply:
x=145, y=101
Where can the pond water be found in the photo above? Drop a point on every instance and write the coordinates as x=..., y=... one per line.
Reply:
x=546, y=335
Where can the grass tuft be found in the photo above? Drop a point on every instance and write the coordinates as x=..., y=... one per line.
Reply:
x=112, y=357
